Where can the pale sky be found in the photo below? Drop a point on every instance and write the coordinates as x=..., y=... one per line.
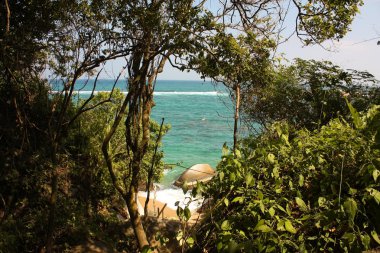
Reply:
x=357, y=50
x=353, y=51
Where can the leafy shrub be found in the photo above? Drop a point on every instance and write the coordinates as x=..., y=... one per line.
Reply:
x=299, y=191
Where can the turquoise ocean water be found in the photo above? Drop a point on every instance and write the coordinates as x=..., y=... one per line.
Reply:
x=200, y=115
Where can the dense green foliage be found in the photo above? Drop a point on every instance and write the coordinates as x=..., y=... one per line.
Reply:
x=54, y=188
x=89, y=204
x=309, y=94
x=299, y=191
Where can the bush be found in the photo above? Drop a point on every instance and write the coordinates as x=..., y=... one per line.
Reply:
x=298, y=191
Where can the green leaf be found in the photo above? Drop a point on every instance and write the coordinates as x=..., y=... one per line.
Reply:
x=190, y=241
x=232, y=177
x=226, y=202
x=366, y=241
x=260, y=195
x=263, y=228
x=289, y=227
x=225, y=150
x=262, y=207
x=301, y=180
x=349, y=237
x=248, y=179
x=241, y=232
x=187, y=213
x=375, y=174
x=301, y=204
x=375, y=194
x=275, y=172
x=272, y=211
x=185, y=187
x=321, y=201
x=358, y=122
x=375, y=236
x=351, y=208
x=281, y=208
x=221, y=176
x=238, y=199
x=146, y=249
x=271, y=158
x=226, y=225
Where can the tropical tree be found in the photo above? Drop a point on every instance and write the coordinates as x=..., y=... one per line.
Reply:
x=309, y=94
x=73, y=39
x=240, y=63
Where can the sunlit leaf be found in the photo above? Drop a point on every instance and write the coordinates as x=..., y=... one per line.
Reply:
x=289, y=227
x=301, y=204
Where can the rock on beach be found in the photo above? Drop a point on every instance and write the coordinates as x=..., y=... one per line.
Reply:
x=198, y=172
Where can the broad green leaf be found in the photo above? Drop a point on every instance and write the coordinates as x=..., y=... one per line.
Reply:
x=241, y=232
x=262, y=207
x=221, y=175
x=350, y=207
x=321, y=201
x=248, y=179
x=375, y=194
x=280, y=225
x=271, y=158
x=366, y=241
x=146, y=249
x=285, y=138
x=185, y=187
x=219, y=246
x=260, y=195
x=225, y=150
x=263, y=228
x=375, y=236
x=358, y=122
x=281, y=208
x=291, y=184
x=226, y=202
x=375, y=174
x=238, y=199
x=190, y=241
x=275, y=172
x=232, y=177
x=226, y=225
x=301, y=204
x=301, y=180
x=272, y=211
x=288, y=210
x=187, y=213
x=289, y=227
x=349, y=237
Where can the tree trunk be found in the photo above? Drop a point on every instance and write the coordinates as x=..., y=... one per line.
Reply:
x=53, y=199
x=51, y=217
x=138, y=228
x=236, y=117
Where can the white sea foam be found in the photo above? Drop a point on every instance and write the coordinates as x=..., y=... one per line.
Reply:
x=157, y=93
x=171, y=195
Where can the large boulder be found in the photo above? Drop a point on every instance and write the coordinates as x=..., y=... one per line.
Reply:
x=197, y=172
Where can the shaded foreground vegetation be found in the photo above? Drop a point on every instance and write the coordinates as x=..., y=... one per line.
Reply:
x=299, y=190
